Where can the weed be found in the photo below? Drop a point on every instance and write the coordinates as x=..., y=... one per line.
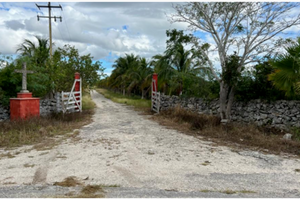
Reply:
x=247, y=191
x=233, y=134
x=228, y=192
x=91, y=189
x=28, y=165
x=87, y=102
x=70, y=181
x=9, y=183
x=297, y=170
x=206, y=190
x=206, y=163
x=44, y=153
x=36, y=130
x=296, y=133
x=104, y=185
x=8, y=155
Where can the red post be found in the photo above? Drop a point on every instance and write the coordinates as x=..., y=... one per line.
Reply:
x=77, y=87
x=154, y=87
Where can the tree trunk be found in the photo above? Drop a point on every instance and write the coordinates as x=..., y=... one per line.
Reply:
x=143, y=94
x=226, y=100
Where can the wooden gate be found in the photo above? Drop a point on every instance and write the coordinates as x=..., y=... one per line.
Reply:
x=72, y=101
x=155, y=98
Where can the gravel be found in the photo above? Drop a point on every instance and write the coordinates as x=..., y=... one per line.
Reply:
x=125, y=149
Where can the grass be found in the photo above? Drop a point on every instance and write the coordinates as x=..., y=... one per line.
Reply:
x=128, y=100
x=87, y=102
x=232, y=134
x=41, y=130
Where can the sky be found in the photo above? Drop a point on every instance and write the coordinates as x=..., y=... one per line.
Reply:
x=106, y=30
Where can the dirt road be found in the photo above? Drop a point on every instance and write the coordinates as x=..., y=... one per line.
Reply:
x=125, y=149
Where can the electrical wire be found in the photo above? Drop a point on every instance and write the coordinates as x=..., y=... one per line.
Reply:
x=66, y=24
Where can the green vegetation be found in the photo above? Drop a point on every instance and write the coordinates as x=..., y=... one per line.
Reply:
x=286, y=76
x=233, y=133
x=87, y=102
x=129, y=100
x=56, y=74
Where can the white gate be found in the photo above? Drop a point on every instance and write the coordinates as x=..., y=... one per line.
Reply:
x=72, y=101
x=155, y=98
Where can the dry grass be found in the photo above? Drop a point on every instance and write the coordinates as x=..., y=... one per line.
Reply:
x=91, y=189
x=70, y=181
x=41, y=130
x=233, y=134
x=87, y=102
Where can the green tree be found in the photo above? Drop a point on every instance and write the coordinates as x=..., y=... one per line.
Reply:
x=179, y=67
x=287, y=70
x=120, y=77
x=66, y=61
x=38, y=54
x=248, y=27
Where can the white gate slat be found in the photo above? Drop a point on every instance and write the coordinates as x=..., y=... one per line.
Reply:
x=155, y=98
x=70, y=102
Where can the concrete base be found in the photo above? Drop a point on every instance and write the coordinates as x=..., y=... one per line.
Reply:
x=24, y=106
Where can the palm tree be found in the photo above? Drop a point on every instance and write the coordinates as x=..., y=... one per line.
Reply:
x=38, y=53
x=287, y=70
x=141, y=76
x=119, y=78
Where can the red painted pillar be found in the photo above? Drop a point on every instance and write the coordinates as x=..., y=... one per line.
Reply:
x=77, y=87
x=154, y=87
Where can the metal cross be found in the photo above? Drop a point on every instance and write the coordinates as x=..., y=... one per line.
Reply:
x=24, y=78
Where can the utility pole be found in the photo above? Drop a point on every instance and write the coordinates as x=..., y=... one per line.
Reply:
x=49, y=17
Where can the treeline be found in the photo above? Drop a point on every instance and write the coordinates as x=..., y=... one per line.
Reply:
x=183, y=70
x=50, y=75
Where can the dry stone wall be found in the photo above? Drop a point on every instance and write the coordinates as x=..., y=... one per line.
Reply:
x=4, y=113
x=281, y=114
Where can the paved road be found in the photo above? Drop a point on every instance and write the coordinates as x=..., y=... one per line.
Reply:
x=145, y=159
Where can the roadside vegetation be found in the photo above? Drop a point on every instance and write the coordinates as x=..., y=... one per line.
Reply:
x=233, y=134
x=43, y=129
x=135, y=101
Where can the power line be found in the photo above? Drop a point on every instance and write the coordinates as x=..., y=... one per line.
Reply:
x=58, y=29
x=49, y=17
x=67, y=26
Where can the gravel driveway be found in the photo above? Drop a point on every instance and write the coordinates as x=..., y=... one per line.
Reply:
x=122, y=148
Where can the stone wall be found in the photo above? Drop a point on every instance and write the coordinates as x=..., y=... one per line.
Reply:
x=281, y=114
x=47, y=106
x=4, y=113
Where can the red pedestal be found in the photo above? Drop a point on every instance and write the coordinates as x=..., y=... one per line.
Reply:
x=24, y=106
